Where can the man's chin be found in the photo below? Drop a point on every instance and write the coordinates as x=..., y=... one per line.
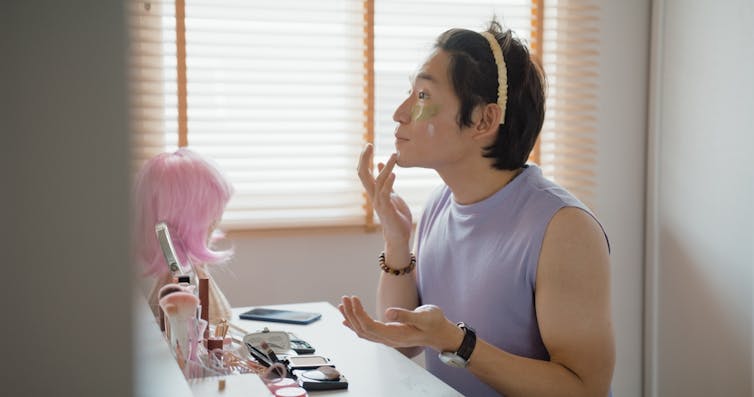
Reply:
x=407, y=164
x=401, y=161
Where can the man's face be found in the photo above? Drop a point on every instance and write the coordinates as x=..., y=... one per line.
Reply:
x=428, y=134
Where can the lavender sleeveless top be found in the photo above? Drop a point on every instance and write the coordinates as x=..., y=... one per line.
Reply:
x=478, y=263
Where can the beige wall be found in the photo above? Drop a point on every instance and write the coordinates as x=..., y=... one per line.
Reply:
x=66, y=294
x=701, y=221
x=623, y=77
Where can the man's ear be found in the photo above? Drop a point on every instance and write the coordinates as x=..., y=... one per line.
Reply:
x=488, y=121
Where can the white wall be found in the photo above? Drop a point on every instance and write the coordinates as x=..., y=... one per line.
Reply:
x=289, y=267
x=66, y=292
x=623, y=79
x=701, y=222
x=305, y=266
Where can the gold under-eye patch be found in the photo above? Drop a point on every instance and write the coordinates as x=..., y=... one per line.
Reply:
x=421, y=112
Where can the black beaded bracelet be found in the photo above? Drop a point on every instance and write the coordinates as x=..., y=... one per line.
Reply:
x=406, y=270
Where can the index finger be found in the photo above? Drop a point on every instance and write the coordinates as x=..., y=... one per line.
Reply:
x=365, y=169
x=386, y=171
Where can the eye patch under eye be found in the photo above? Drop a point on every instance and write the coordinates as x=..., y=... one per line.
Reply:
x=421, y=112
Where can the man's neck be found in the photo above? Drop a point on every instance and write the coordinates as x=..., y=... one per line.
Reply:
x=472, y=183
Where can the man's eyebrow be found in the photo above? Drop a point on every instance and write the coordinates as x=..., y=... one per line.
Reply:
x=426, y=76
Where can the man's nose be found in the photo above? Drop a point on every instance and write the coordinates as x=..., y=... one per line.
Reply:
x=402, y=114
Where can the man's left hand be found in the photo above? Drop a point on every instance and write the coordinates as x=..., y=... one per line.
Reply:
x=424, y=326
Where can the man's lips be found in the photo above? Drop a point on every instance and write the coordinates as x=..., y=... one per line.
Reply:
x=398, y=137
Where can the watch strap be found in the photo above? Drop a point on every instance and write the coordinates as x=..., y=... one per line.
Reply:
x=468, y=343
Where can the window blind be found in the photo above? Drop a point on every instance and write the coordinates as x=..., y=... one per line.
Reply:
x=152, y=79
x=274, y=97
x=570, y=49
x=282, y=100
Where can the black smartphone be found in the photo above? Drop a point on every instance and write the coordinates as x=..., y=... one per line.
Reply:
x=280, y=316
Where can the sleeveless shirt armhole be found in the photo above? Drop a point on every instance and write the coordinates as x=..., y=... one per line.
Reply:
x=547, y=224
x=589, y=212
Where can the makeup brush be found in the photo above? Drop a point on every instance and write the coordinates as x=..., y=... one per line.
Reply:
x=179, y=308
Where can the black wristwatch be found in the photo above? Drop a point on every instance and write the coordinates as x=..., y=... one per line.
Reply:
x=460, y=358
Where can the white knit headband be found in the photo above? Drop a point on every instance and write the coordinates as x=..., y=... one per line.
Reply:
x=502, y=73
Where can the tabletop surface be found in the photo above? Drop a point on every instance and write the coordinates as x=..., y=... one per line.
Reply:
x=372, y=369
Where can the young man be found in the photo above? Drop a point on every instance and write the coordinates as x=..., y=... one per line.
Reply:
x=511, y=276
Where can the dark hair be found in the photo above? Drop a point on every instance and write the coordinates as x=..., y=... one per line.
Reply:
x=473, y=74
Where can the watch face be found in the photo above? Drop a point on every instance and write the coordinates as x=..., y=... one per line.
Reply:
x=452, y=359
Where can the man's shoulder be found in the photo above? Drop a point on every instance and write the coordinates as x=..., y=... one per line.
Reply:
x=539, y=188
x=570, y=224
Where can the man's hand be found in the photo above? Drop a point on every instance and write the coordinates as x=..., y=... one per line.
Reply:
x=424, y=326
x=393, y=212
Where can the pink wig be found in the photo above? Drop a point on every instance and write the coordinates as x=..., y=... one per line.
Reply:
x=189, y=194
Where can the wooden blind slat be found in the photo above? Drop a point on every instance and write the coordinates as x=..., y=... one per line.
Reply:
x=537, y=34
x=369, y=84
x=180, y=46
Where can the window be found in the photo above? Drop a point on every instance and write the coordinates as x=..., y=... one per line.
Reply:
x=283, y=95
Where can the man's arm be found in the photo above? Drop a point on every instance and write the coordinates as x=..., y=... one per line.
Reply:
x=398, y=291
x=395, y=217
x=573, y=310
